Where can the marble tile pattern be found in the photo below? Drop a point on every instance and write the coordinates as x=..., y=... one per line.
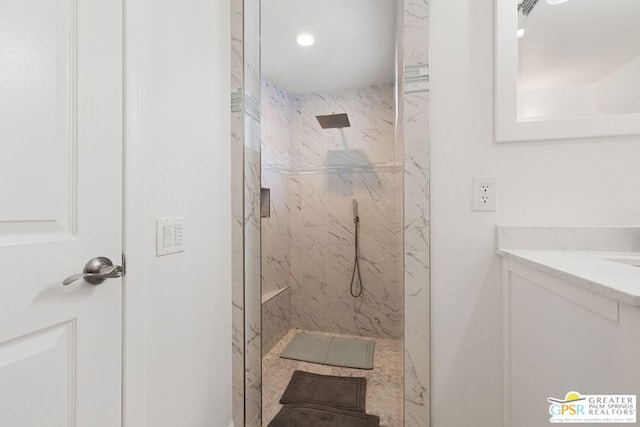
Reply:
x=245, y=206
x=252, y=48
x=252, y=272
x=338, y=147
x=370, y=139
x=276, y=320
x=276, y=125
x=320, y=228
x=276, y=234
x=237, y=210
x=416, y=32
x=237, y=41
x=384, y=382
x=237, y=267
x=416, y=172
x=323, y=254
x=414, y=127
x=416, y=345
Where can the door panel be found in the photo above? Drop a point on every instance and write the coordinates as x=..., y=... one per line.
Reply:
x=28, y=363
x=38, y=117
x=60, y=205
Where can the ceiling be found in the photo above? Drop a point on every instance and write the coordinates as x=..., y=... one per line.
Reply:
x=354, y=44
x=577, y=42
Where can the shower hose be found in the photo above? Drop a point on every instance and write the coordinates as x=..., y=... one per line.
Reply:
x=356, y=280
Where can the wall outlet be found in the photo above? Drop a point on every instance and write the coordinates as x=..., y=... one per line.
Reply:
x=484, y=194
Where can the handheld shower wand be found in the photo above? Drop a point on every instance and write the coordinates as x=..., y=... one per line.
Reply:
x=356, y=218
x=356, y=288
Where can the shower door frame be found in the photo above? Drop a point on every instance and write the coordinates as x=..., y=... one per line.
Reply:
x=412, y=132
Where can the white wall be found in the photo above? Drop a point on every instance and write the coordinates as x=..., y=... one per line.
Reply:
x=594, y=182
x=185, y=172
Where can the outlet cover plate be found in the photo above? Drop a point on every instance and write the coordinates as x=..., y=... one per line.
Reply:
x=484, y=194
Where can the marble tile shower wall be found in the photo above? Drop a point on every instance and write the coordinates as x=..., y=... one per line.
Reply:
x=322, y=171
x=276, y=125
x=416, y=104
x=276, y=320
x=245, y=205
x=369, y=140
x=276, y=234
x=413, y=109
x=323, y=254
x=237, y=225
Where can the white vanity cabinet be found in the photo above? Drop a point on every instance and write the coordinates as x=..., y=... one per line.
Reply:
x=566, y=327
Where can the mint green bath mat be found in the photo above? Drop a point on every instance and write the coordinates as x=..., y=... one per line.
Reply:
x=335, y=351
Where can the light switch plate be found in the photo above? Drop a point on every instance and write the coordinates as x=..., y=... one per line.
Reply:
x=169, y=235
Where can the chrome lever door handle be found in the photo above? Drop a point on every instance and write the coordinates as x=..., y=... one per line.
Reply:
x=96, y=271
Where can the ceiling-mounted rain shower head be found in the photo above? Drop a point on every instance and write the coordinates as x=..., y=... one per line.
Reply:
x=334, y=121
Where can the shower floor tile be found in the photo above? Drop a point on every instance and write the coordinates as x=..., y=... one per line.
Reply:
x=384, y=382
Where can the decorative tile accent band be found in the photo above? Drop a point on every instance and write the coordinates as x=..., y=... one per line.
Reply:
x=416, y=78
x=333, y=169
x=252, y=105
x=236, y=101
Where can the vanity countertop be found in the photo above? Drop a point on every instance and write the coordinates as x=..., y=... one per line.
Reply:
x=612, y=274
x=580, y=255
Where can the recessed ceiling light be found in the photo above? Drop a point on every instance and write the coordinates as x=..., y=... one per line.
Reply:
x=520, y=33
x=554, y=2
x=305, y=40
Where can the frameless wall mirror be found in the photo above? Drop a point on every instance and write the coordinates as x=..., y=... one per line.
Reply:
x=567, y=69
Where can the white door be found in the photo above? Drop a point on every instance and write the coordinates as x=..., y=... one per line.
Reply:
x=60, y=205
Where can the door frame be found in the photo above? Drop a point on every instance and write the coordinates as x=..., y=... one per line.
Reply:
x=413, y=110
x=134, y=399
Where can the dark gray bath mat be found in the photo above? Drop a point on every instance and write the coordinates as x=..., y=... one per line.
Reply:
x=338, y=392
x=345, y=352
x=302, y=415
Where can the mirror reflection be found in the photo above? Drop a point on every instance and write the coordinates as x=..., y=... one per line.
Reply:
x=578, y=58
